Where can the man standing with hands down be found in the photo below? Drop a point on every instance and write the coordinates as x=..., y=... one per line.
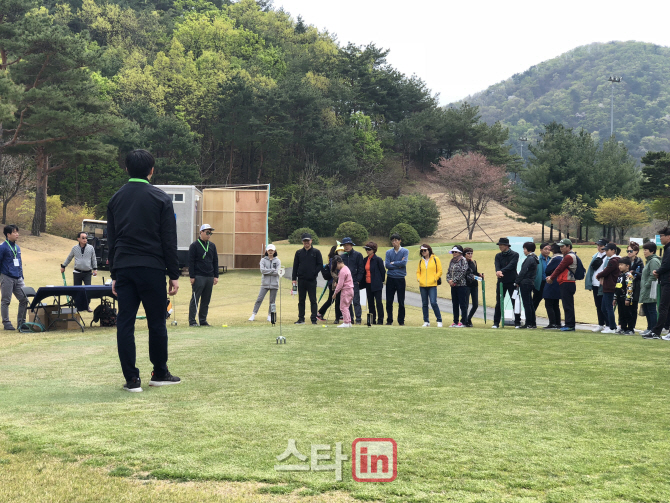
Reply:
x=505, y=262
x=85, y=262
x=307, y=265
x=203, y=268
x=396, y=267
x=142, y=239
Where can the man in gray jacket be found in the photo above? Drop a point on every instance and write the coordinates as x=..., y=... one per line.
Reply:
x=85, y=262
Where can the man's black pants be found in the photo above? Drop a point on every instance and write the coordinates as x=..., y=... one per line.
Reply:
x=663, y=308
x=553, y=311
x=135, y=285
x=201, y=294
x=508, y=288
x=537, y=295
x=307, y=286
x=568, y=290
x=81, y=278
x=395, y=286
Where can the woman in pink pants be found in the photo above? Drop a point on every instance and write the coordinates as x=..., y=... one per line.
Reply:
x=345, y=287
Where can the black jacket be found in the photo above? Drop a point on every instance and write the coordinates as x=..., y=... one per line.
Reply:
x=354, y=261
x=473, y=283
x=377, y=273
x=664, y=270
x=506, y=262
x=528, y=270
x=142, y=230
x=201, y=262
x=307, y=264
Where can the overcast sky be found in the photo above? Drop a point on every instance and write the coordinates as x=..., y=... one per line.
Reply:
x=459, y=48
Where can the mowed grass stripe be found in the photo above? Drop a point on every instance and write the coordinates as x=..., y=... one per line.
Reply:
x=476, y=413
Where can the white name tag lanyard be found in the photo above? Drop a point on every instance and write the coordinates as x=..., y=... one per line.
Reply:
x=16, y=259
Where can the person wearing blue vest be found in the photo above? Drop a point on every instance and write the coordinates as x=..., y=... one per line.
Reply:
x=396, y=267
x=11, y=277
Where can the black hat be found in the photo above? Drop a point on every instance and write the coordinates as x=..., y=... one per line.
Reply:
x=610, y=246
x=348, y=241
x=602, y=241
x=503, y=241
x=306, y=236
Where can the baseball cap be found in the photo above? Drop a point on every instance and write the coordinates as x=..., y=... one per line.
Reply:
x=306, y=236
x=564, y=242
x=610, y=246
x=602, y=241
x=270, y=247
x=206, y=227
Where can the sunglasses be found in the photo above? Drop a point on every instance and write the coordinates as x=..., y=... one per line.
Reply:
x=209, y=233
x=468, y=253
x=630, y=251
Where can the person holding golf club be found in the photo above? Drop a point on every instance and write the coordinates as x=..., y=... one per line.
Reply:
x=331, y=281
x=85, y=263
x=270, y=266
x=307, y=265
x=142, y=240
x=203, y=269
x=373, y=281
x=345, y=289
x=505, y=264
x=354, y=261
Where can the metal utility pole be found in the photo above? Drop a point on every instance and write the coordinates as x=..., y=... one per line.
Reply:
x=522, y=139
x=613, y=80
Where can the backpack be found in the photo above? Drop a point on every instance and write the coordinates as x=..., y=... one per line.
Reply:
x=105, y=314
x=580, y=272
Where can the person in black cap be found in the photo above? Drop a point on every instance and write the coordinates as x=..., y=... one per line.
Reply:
x=592, y=283
x=203, y=270
x=306, y=267
x=505, y=263
x=142, y=240
x=354, y=261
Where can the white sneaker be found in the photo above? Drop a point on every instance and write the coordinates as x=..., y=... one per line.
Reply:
x=426, y=324
x=666, y=337
x=608, y=330
x=344, y=325
x=269, y=317
x=439, y=324
x=252, y=317
x=494, y=326
x=599, y=328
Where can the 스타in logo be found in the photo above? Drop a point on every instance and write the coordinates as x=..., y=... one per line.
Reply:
x=374, y=460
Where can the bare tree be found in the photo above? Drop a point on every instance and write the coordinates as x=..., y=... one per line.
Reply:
x=16, y=173
x=471, y=182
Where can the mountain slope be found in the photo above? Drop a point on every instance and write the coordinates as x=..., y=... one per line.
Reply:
x=573, y=89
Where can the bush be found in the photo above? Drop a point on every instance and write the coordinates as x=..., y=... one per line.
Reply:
x=407, y=233
x=353, y=230
x=295, y=238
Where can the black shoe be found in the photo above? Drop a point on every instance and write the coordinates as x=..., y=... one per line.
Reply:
x=9, y=327
x=401, y=324
x=531, y=327
x=358, y=322
x=389, y=323
x=314, y=323
x=380, y=322
x=549, y=327
x=299, y=322
x=521, y=326
x=204, y=324
x=134, y=385
x=193, y=325
x=164, y=381
x=469, y=325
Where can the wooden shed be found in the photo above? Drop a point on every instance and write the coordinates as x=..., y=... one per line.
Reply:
x=239, y=216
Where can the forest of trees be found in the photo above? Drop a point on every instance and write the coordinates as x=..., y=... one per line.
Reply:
x=220, y=92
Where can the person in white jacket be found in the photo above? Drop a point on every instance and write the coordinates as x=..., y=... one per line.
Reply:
x=270, y=265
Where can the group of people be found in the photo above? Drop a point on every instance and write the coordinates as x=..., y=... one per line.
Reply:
x=624, y=284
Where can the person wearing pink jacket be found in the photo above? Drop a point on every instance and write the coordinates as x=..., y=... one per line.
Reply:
x=345, y=287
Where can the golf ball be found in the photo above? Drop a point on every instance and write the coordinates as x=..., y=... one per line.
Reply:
x=324, y=326
x=226, y=326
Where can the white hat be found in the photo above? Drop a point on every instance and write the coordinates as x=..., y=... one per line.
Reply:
x=455, y=249
x=206, y=227
x=271, y=247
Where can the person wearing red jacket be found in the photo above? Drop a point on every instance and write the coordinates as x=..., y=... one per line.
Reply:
x=608, y=279
x=565, y=275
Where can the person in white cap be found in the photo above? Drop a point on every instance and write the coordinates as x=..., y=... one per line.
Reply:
x=270, y=266
x=203, y=269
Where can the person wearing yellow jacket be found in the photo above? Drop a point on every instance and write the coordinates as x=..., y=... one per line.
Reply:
x=429, y=275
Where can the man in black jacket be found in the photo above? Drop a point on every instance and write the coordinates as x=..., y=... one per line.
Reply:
x=354, y=261
x=663, y=275
x=142, y=240
x=307, y=265
x=203, y=269
x=505, y=262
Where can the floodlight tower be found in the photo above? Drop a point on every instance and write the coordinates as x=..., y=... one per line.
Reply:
x=522, y=139
x=613, y=80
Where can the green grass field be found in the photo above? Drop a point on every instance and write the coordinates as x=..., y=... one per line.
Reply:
x=478, y=415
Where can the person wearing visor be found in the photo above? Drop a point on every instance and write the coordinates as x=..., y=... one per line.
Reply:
x=457, y=275
x=203, y=269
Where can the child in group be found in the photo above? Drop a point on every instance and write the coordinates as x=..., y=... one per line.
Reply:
x=623, y=293
x=345, y=287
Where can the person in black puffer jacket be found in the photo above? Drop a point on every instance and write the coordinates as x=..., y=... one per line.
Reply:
x=525, y=281
x=472, y=283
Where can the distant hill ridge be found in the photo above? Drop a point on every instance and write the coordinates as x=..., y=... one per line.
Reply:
x=573, y=89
